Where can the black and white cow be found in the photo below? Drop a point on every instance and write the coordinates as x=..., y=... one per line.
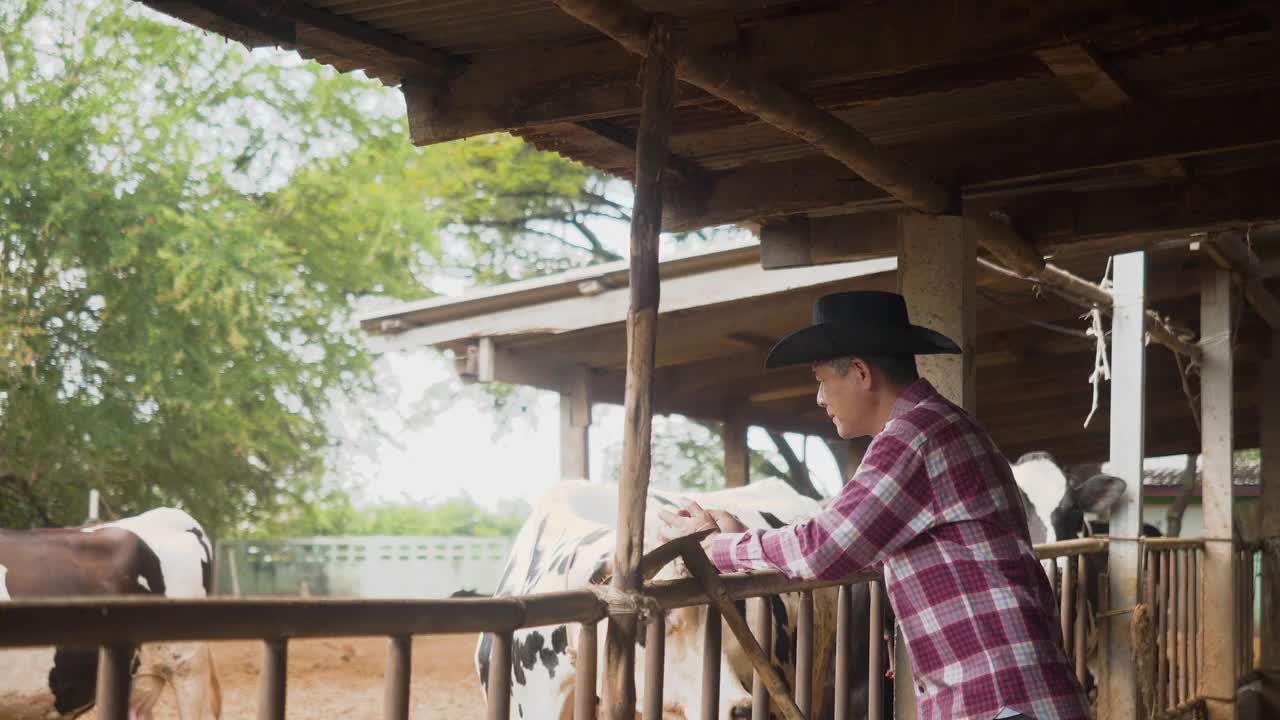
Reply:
x=160, y=552
x=567, y=544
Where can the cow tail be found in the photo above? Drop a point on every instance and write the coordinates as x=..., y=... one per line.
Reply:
x=215, y=690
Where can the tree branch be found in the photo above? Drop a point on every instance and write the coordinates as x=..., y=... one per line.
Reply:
x=797, y=472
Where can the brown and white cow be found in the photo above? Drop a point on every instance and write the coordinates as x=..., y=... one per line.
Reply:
x=161, y=552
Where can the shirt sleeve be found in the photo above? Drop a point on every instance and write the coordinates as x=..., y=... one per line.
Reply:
x=887, y=504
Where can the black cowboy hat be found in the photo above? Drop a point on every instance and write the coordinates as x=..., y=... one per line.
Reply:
x=863, y=322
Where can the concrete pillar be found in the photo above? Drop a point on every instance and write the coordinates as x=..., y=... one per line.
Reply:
x=937, y=263
x=1218, y=682
x=575, y=424
x=1269, y=507
x=1119, y=686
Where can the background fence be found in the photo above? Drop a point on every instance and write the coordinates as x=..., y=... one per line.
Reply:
x=360, y=567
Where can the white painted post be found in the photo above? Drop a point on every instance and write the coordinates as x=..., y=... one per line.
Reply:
x=94, y=499
x=575, y=426
x=1218, y=679
x=1269, y=510
x=937, y=265
x=1119, y=687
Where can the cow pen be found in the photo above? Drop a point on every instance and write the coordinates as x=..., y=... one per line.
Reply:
x=118, y=625
x=1113, y=159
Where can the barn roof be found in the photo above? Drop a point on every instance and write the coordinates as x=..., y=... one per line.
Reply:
x=1085, y=129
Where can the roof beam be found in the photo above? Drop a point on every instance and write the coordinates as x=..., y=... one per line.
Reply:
x=771, y=102
x=1230, y=251
x=1003, y=160
x=293, y=23
x=525, y=87
x=1084, y=73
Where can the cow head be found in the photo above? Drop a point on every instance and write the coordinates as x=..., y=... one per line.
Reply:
x=1060, y=503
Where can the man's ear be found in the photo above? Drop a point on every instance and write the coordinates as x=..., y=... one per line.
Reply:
x=861, y=372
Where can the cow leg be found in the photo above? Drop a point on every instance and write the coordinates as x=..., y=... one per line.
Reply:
x=188, y=667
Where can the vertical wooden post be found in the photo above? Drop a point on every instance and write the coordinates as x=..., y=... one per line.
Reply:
x=655, y=650
x=1218, y=684
x=1119, y=690
x=272, y=684
x=399, y=675
x=1269, y=512
x=646, y=224
x=737, y=457
x=575, y=424
x=112, y=694
x=937, y=266
x=584, y=705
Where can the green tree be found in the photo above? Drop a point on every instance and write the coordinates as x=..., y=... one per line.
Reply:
x=183, y=229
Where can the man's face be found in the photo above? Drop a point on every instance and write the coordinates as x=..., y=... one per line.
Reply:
x=848, y=398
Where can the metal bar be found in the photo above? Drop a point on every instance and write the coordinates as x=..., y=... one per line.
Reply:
x=875, y=656
x=272, y=685
x=763, y=630
x=655, y=651
x=1065, y=603
x=499, y=695
x=113, y=681
x=584, y=693
x=399, y=671
x=1162, y=638
x=1080, y=632
x=711, y=664
x=844, y=673
x=804, y=656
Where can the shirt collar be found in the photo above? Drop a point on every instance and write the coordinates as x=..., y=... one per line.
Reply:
x=912, y=395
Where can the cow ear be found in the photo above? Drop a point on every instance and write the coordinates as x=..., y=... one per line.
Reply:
x=1099, y=493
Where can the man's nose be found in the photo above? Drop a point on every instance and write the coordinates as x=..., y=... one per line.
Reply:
x=822, y=399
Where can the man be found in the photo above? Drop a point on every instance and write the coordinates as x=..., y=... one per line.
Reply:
x=934, y=505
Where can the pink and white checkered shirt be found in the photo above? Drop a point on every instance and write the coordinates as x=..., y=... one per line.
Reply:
x=934, y=502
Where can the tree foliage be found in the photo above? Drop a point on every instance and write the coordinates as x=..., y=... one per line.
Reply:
x=336, y=514
x=172, y=326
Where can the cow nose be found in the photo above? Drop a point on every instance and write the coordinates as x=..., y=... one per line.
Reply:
x=741, y=711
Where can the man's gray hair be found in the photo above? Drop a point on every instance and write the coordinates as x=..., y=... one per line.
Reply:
x=900, y=369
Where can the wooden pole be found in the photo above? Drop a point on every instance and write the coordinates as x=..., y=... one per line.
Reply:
x=1119, y=691
x=737, y=456
x=575, y=424
x=1269, y=512
x=399, y=677
x=651, y=156
x=1218, y=684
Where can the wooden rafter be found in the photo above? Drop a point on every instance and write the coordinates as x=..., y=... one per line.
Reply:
x=773, y=103
x=1099, y=89
x=1230, y=251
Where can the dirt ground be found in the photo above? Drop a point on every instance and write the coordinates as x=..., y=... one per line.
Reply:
x=340, y=679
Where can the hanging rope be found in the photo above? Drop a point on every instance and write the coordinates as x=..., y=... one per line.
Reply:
x=1101, y=366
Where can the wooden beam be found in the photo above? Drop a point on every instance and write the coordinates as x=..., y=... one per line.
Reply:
x=996, y=161
x=1084, y=73
x=771, y=102
x=524, y=87
x=625, y=139
x=642, y=322
x=1218, y=681
x=1119, y=691
x=1230, y=251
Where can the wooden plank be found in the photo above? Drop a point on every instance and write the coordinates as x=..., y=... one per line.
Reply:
x=642, y=317
x=784, y=108
x=1119, y=691
x=1269, y=510
x=996, y=161
x=1218, y=682
x=524, y=86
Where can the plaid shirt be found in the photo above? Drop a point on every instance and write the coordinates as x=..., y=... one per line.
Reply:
x=935, y=503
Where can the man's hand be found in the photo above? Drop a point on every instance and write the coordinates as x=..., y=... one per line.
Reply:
x=694, y=518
